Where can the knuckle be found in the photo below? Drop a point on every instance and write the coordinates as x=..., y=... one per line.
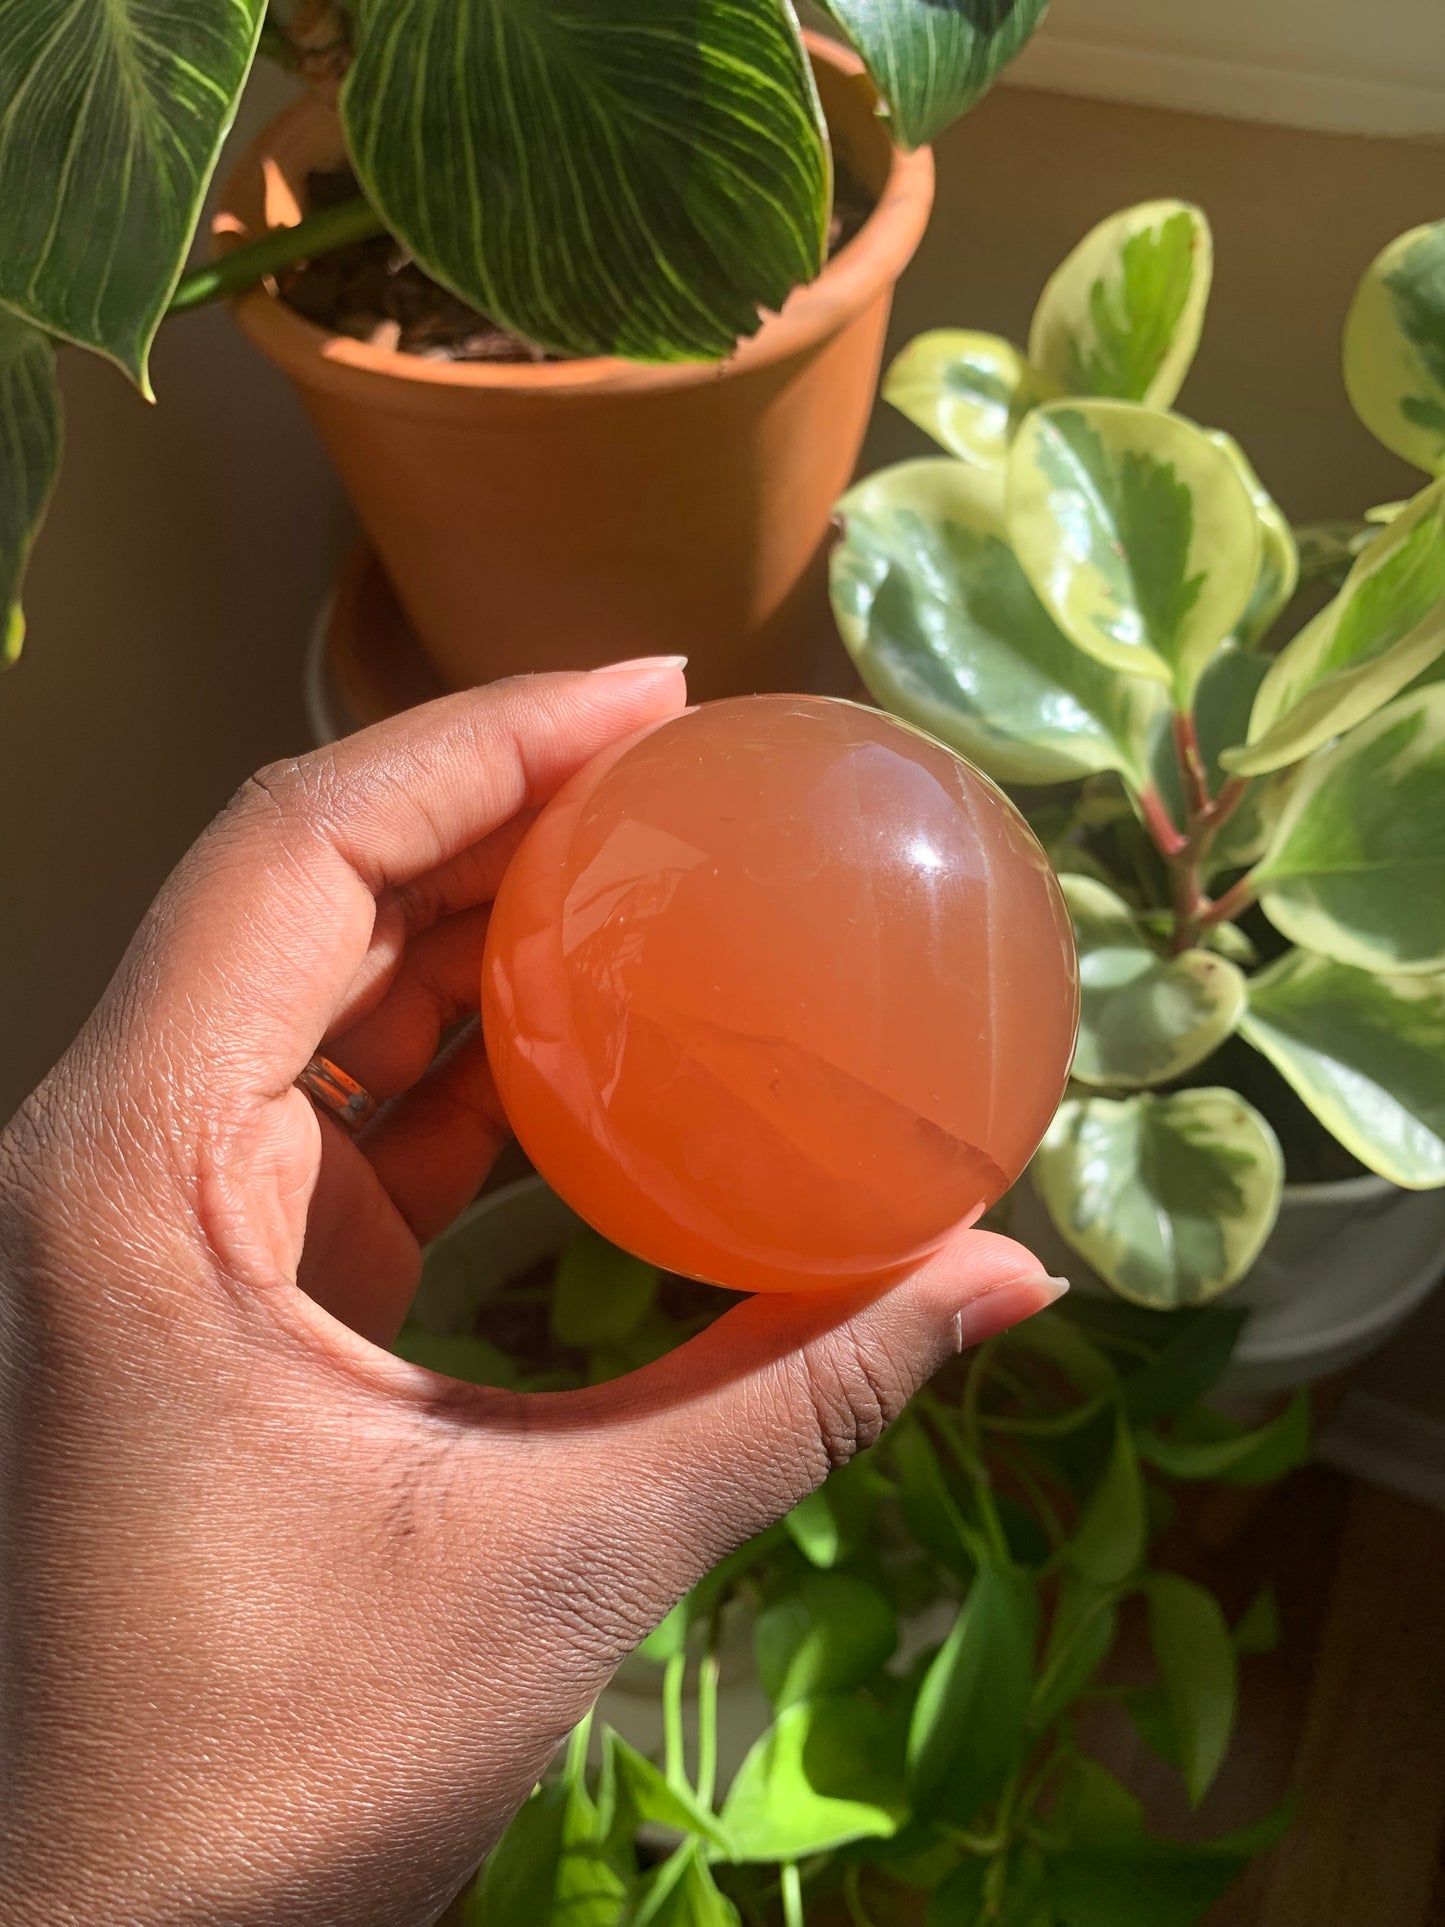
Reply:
x=855, y=1392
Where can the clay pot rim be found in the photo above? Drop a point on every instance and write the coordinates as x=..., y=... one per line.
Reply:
x=871, y=262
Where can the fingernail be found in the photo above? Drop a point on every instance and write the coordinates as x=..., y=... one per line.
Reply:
x=635, y=664
x=1006, y=1306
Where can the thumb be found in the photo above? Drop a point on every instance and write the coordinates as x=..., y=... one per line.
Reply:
x=679, y=1463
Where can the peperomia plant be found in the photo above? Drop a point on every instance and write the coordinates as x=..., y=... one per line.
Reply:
x=1086, y=601
x=935, y=1631
x=615, y=177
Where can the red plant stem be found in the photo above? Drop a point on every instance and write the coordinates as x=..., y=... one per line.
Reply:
x=1238, y=897
x=1191, y=765
x=1166, y=838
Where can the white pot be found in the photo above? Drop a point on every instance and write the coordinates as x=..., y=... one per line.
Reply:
x=1343, y=1268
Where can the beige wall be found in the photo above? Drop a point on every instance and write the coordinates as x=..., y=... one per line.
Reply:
x=190, y=544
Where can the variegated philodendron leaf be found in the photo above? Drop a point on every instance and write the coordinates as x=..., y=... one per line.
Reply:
x=968, y=391
x=946, y=631
x=1144, y=1018
x=1395, y=347
x=931, y=63
x=1137, y=532
x=1168, y=1198
x=1366, y=1053
x=1278, y=559
x=635, y=178
x=111, y=116
x=1356, y=866
x=1386, y=626
x=1123, y=314
x=29, y=457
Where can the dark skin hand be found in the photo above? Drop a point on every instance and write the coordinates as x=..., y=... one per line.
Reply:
x=289, y=1628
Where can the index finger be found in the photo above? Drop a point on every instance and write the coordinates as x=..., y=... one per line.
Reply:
x=260, y=931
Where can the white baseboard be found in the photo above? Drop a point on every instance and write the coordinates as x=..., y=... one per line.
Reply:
x=1386, y=1444
x=1328, y=102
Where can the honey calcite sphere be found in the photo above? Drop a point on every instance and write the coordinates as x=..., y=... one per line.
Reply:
x=778, y=993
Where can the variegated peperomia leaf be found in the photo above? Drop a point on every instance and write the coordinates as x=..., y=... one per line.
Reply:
x=1168, y=1198
x=1365, y=1052
x=931, y=63
x=1385, y=627
x=1123, y=314
x=1144, y=1018
x=1356, y=865
x=29, y=457
x=968, y=391
x=635, y=178
x=1395, y=347
x=946, y=631
x=111, y=116
x=1137, y=532
x=1278, y=557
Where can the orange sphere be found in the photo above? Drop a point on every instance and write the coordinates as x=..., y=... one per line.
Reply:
x=778, y=993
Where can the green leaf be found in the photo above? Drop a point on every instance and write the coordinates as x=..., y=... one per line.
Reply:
x=1137, y=533
x=1195, y=1654
x=650, y=1797
x=932, y=63
x=832, y=1632
x=826, y=1772
x=968, y=391
x=958, y=1901
x=833, y=1522
x=112, y=118
x=970, y=1720
x=1385, y=627
x=1256, y=1631
x=601, y=1295
x=1168, y=1198
x=929, y=1508
x=1140, y=1883
x=518, y=1882
x=947, y=632
x=1122, y=315
x=1143, y=1019
x=1092, y=1805
x=1195, y=1354
x=1395, y=347
x=476, y=1361
x=683, y=1893
x=1238, y=1456
x=1278, y=575
x=1081, y=1637
x=1109, y=1543
x=638, y=178
x=1366, y=1053
x=668, y=1638
x=29, y=458
x=1356, y=866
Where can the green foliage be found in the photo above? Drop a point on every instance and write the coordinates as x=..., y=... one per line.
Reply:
x=955, y=1771
x=641, y=178
x=29, y=456
x=932, y=63
x=1113, y=632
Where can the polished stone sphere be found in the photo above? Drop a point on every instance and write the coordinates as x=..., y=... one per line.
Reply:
x=778, y=993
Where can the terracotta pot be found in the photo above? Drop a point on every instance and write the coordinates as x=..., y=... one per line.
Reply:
x=572, y=513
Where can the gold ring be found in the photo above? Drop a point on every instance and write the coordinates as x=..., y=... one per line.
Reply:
x=337, y=1095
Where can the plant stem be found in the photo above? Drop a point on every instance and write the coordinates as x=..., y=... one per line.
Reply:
x=243, y=267
x=1237, y=898
x=792, y=1895
x=674, y=1762
x=853, y=1897
x=975, y=1463
x=707, y=1677
x=1184, y=852
x=1037, y=1497
x=576, y=1764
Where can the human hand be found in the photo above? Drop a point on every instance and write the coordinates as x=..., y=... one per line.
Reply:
x=288, y=1627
